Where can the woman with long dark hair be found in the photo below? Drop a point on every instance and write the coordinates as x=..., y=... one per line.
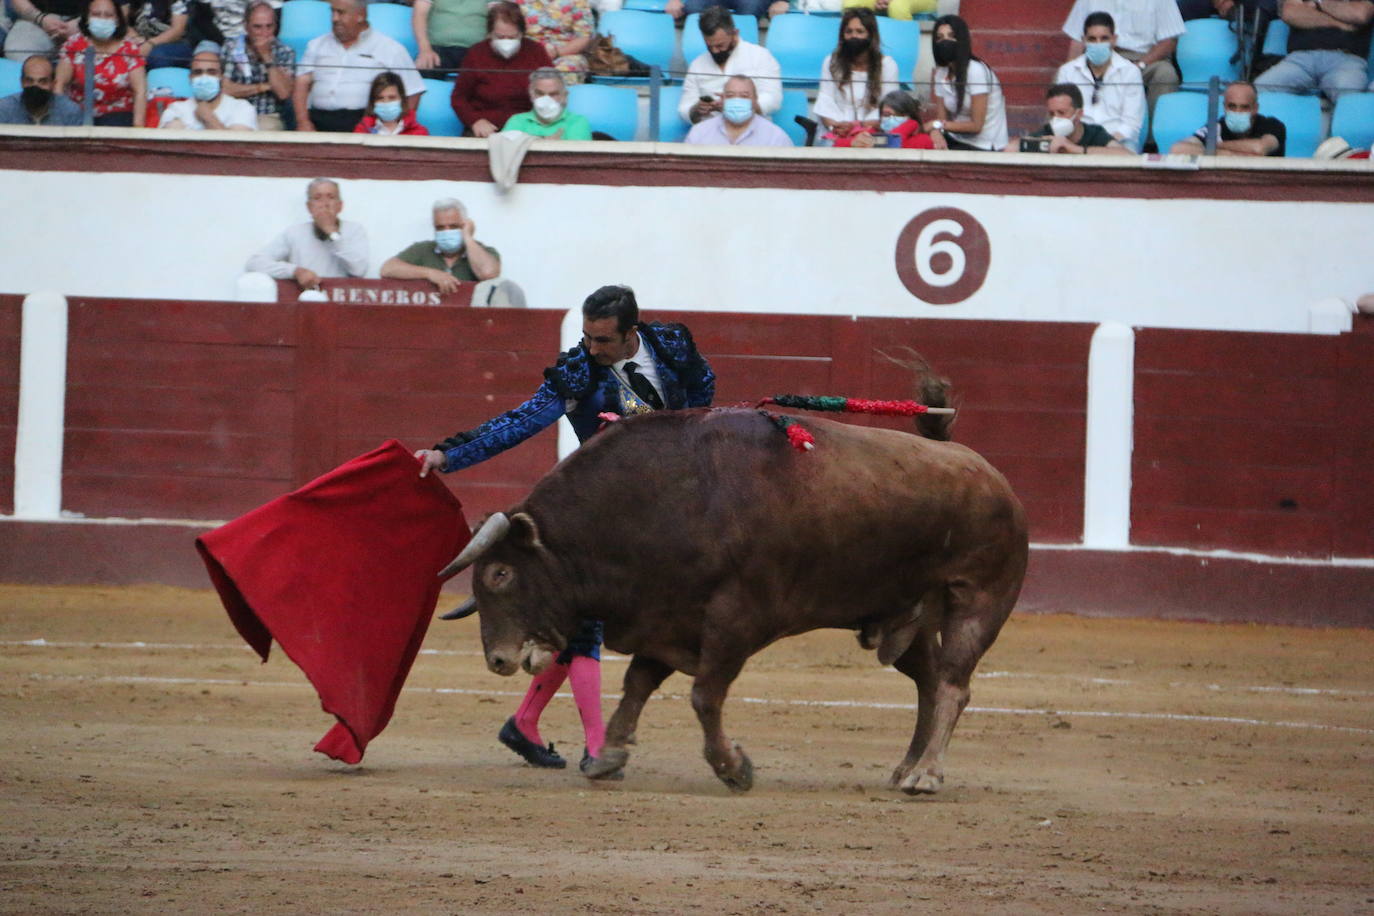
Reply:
x=969, y=108
x=855, y=76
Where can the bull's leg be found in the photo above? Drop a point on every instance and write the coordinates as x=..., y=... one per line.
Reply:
x=718, y=670
x=920, y=663
x=642, y=678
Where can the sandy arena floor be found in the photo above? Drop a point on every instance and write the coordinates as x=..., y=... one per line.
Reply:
x=1103, y=766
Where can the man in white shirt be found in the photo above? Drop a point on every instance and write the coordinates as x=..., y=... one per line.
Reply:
x=336, y=73
x=739, y=123
x=1113, y=88
x=1146, y=35
x=727, y=55
x=324, y=247
x=209, y=108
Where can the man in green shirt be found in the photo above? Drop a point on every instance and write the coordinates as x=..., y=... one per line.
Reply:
x=453, y=254
x=550, y=117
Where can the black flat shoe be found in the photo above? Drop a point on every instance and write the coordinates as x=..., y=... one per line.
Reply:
x=534, y=755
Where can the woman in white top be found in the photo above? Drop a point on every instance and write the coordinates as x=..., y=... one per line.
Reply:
x=969, y=108
x=855, y=76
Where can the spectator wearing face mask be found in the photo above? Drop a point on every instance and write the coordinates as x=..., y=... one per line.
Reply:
x=1147, y=36
x=550, y=116
x=493, y=84
x=740, y=123
x=121, y=83
x=1241, y=129
x=1066, y=128
x=901, y=118
x=727, y=55
x=969, y=108
x=35, y=102
x=855, y=76
x=1113, y=87
x=386, y=114
x=209, y=108
x=453, y=254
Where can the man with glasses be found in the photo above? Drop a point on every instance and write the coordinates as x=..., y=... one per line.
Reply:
x=1113, y=88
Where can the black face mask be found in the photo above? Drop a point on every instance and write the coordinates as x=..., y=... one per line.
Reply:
x=35, y=98
x=720, y=57
x=944, y=51
x=853, y=47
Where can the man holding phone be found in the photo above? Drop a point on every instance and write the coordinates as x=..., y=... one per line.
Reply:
x=727, y=55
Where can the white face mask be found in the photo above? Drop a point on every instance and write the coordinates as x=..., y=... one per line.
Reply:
x=1061, y=127
x=548, y=108
x=506, y=47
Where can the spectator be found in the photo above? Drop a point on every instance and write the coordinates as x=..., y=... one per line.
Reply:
x=386, y=112
x=740, y=121
x=41, y=27
x=1118, y=88
x=901, y=118
x=550, y=116
x=209, y=108
x=970, y=111
x=324, y=247
x=841, y=106
x=895, y=9
x=494, y=81
x=759, y=8
x=727, y=55
x=337, y=70
x=1147, y=34
x=1328, y=44
x=1067, y=129
x=121, y=85
x=217, y=21
x=259, y=68
x=1241, y=129
x=444, y=30
x=35, y=102
x=564, y=28
x=161, y=24
x=453, y=254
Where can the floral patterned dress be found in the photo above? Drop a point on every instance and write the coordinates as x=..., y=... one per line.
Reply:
x=555, y=22
x=113, y=91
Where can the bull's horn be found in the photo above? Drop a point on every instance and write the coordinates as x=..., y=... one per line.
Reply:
x=466, y=609
x=492, y=530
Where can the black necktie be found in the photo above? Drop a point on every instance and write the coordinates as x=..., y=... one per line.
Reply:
x=642, y=386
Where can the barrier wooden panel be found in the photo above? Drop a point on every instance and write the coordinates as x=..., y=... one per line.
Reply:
x=11, y=311
x=1254, y=442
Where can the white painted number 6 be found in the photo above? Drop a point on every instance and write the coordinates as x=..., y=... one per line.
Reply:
x=927, y=248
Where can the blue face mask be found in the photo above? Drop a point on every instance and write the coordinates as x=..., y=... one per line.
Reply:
x=204, y=88
x=1099, y=52
x=387, y=111
x=101, y=29
x=1238, y=122
x=737, y=111
x=891, y=123
x=450, y=241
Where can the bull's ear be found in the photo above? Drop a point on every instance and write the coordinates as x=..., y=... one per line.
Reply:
x=524, y=531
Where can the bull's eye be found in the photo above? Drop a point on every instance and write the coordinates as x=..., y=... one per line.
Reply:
x=498, y=576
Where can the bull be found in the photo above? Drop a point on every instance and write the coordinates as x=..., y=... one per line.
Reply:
x=701, y=536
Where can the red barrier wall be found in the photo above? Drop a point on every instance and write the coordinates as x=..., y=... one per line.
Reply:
x=1254, y=441
x=11, y=310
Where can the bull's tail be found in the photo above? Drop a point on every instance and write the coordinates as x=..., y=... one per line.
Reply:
x=932, y=390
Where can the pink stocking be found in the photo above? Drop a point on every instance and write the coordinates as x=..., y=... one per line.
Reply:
x=585, y=676
x=542, y=688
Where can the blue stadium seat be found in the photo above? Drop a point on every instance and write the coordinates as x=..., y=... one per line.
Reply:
x=671, y=128
x=646, y=6
x=693, y=45
x=794, y=102
x=302, y=20
x=393, y=21
x=800, y=43
x=650, y=37
x=902, y=42
x=175, y=80
x=435, y=109
x=1276, y=38
x=612, y=110
x=1301, y=116
x=1353, y=120
x=10, y=71
x=1206, y=50
x=1178, y=115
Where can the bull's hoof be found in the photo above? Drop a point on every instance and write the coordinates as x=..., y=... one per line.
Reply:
x=922, y=784
x=610, y=764
x=898, y=776
x=740, y=777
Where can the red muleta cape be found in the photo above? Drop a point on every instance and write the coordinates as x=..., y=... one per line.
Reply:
x=343, y=574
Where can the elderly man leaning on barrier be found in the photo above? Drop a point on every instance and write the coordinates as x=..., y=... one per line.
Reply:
x=550, y=117
x=454, y=255
x=739, y=123
x=337, y=70
x=35, y=102
x=324, y=247
x=1241, y=129
x=209, y=108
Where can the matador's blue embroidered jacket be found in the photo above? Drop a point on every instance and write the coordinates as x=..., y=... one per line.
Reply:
x=686, y=378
